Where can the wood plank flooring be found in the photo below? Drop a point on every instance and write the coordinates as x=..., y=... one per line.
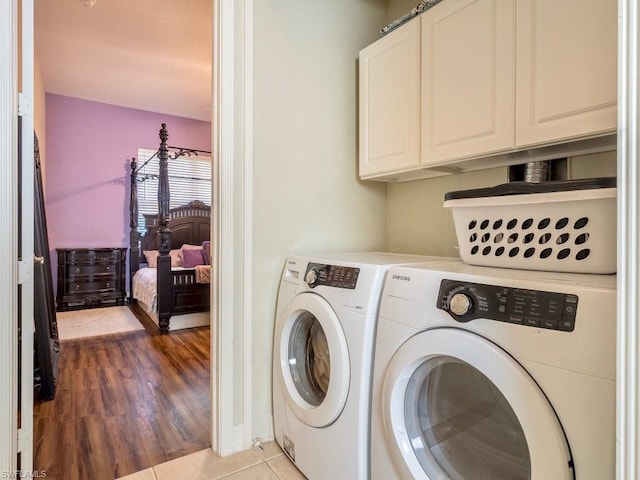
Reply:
x=125, y=403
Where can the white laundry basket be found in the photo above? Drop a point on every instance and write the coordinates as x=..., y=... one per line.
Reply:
x=560, y=226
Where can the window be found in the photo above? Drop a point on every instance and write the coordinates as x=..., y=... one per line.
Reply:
x=189, y=179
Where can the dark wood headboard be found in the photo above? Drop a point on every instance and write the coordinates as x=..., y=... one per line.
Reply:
x=189, y=224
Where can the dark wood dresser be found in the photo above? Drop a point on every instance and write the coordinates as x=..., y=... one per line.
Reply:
x=90, y=277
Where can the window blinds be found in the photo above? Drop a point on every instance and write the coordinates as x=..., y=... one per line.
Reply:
x=189, y=179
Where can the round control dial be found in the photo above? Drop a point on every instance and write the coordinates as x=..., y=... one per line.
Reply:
x=460, y=304
x=316, y=275
x=311, y=277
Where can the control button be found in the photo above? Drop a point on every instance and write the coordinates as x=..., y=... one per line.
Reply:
x=549, y=323
x=532, y=321
x=571, y=298
x=569, y=309
x=460, y=304
x=567, y=324
x=519, y=319
x=570, y=305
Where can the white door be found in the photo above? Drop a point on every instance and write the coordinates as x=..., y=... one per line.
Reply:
x=390, y=103
x=313, y=360
x=566, y=75
x=459, y=407
x=467, y=79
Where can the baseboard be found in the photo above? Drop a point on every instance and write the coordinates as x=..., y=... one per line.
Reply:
x=238, y=438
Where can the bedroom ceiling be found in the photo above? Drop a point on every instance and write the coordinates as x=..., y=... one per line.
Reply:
x=152, y=55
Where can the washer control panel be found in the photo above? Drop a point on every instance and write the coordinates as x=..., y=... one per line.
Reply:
x=331, y=275
x=466, y=301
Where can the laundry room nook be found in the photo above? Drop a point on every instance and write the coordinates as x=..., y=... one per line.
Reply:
x=494, y=356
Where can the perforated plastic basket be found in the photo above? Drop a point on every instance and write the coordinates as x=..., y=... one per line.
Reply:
x=564, y=226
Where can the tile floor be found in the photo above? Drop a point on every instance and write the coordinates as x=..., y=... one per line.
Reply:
x=268, y=463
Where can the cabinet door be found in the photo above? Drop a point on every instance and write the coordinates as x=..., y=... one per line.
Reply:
x=467, y=79
x=390, y=102
x=566, y=70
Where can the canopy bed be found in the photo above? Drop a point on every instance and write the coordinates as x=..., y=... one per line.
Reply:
x=170, y=262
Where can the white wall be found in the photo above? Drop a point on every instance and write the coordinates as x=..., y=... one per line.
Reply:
x=417, y=222
x=306, y=195
x=398, y=8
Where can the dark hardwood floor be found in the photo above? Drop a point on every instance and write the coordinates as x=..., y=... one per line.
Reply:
x=125, y=403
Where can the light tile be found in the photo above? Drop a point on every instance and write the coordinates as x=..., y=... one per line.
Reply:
x=206, y=465
x=141, y=475
x=269, y=450
x=284, y=469
x=257, y=472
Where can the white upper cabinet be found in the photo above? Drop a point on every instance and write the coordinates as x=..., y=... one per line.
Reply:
x=566, y=69
x=467, y=79
x=481, y=83
x=390, y=102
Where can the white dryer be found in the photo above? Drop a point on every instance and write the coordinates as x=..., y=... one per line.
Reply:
x=485, y=373
x=322, y=363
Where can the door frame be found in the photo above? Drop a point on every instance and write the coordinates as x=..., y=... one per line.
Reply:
x=628, y=213
x=232, y=134
x=16, y=269
x=8, y=235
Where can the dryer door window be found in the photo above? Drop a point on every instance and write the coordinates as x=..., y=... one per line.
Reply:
x=461, y=426
x=457, y=406
x=312, y=359
x=309, y=360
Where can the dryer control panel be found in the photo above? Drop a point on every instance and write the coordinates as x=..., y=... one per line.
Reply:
x=465, y=301
x=331, y=275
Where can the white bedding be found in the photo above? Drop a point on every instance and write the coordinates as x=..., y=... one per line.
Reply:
x=144, y=287
x=144, y=290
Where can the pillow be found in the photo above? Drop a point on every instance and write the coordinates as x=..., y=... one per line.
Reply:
x=176, y=258
x=152, y=257
x=187, y=246
x=192, y=257
x=206, y=252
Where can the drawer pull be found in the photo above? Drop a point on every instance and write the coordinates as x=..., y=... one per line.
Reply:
x=108, y=284
x=108, y=269
x=77, y=286
x=77, y=269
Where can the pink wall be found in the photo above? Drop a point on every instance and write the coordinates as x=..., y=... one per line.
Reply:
x=89, y=146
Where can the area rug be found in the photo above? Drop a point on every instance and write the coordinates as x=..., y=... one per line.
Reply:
x=94, y=322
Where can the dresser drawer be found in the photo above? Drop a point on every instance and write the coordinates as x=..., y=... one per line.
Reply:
x=95, y=286
x=92, y=270
x=92, y=256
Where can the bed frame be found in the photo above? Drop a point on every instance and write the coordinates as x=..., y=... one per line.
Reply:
x=177, y=290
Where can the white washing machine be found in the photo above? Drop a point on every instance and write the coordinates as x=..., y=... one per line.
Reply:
x=484, y=373
x=322, y=363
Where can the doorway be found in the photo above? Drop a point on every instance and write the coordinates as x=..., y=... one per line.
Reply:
x=224, y=431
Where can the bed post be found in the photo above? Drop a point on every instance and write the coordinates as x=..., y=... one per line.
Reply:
x=164, y=236
x=134, y=236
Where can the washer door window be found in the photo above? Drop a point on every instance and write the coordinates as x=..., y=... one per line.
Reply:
x=461, y=425
x=459, y=407
x=314, y=360
x=309, y=359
